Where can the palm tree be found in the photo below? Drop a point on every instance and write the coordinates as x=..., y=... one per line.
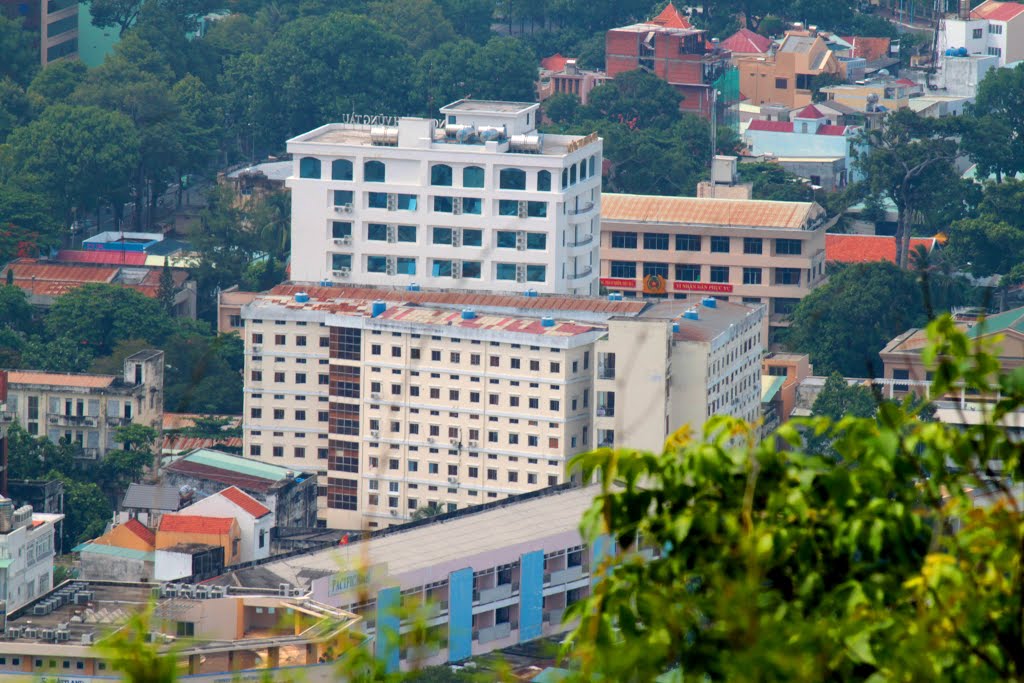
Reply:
x=428, y=510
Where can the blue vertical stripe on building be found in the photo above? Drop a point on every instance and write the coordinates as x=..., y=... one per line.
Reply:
x=602, y=547
x=460, y=615
x=531, y=595
x=388, y=627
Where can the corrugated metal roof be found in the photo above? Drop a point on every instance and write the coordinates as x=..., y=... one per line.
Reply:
x=238, y=464
x=126, y=258
x=114, y=551
x=997, y=11
x=151, y=497
x=31, y=269
x=185, y=444
x=60, y=379
x=694, y=211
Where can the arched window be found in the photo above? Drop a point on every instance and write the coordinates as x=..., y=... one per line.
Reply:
x=512, y=179
x=441, y=174
x=565, y=178
x=572, y=174
x=373, y=172
x=341, y=169
x=583, y=170
x=472, y=176
x=592, y=163
x=544, y=181
x=309, y=167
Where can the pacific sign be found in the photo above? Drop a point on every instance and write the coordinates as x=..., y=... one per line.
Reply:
x=626, y=283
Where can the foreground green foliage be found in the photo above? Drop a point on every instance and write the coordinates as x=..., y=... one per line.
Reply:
x=782, y=565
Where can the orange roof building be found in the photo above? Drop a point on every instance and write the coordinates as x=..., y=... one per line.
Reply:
x=178, y=529
x=671, y=17
x=869, y=248
x=745, y=42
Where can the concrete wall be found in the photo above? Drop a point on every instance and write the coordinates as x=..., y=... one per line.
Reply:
x=100, y=567
x=170, y=566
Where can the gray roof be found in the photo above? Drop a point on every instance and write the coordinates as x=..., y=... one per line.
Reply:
x=273, y=170
x=151, y=497
x=796, y=44
x=837, y=107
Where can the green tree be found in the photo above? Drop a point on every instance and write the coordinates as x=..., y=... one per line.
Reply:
x=996, y=139
x=773, y=182
x=55, y=83
x=429, y=510
x=15, y=311
x=500, y=69
x=204, y=374
x=55, y=355
x=1004, y=202
x=844, y=323
x=637, y=99
x=778, y=565
x=92, y=509
x=77, y=155
x=838, y=399
x=561, y=108
x=470, y=18
x=21, y=57
x=15, y=109
x=28, y=226
x=98, y=316
x=30, y=457
x=165, y=295
x=911, y=163
x=424, y=24
x=984, y=246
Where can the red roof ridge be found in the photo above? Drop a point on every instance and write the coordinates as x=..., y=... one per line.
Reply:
x=141, y=530
x=195, y=524
x=555, y=62
x=245, y=501
x=671, y=17
x=774, y=126
x=746, y=41
x=809, y=112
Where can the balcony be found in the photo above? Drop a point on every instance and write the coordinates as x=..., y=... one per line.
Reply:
x=566, y=575
x=72, y=420
x=581, y=209
x=499, y=592
x=554, y=617
x=580, y=274
x=606, y=411
x=581, y=242
x=114, y=421
x=492, y=633
x=7, y=416
x=606, y=372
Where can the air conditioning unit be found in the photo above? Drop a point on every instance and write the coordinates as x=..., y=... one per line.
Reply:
x=457, y=206
x=453, y=480
x=473, y=444
x=391, y=266
x=520, y=273
x=456, y=269
x=343, y=208
x=523, y=213
x=257, y=348
x=342, y=272
x=454, y=442
x=392, y=202
x=456, y=238
x=375, y=433
x=347, y=239
x=344, y=241
x=430, y=439
x=520, y=241
x=394, y=513
x=392, y=233
x=375, y=395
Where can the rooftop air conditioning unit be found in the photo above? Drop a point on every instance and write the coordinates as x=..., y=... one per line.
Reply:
x=284, y=589
x=88, y=638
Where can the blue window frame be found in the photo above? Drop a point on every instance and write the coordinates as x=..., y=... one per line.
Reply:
x=376, y=264
x=623, y=240
x=341, y=229
x=441, y=174
x=508, y=207
x=656, y=269
x=443, y=204
x=377, y=232
x=536, y=240
x=506, y=239
x=505, y=271
x=406, y=265
x=406, y=202
x=544, y=181
x=406, y=233
x=339, y=261
x=537, y=209
x=442, y=236
x=654, y=240
x=472, y=238
x=374, y=171
x=473, y=205
x=378, y=200
x=512, y=179
x=441, y=268
x=472, y=176
x=471, y=269
x=342, y=197
x=686, y=272
x=626, y=269
x=341, y=169
x=309, y=167
x=536, y=273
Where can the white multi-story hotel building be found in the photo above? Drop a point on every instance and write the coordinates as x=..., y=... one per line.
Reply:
x=399, y=399
x=479, y=201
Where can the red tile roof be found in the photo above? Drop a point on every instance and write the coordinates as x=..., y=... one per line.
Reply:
x=245, y=501
x=196, y=524
x=831, y=130
x=868, y=248
x=809, y=112
x=905, y=81
x=52, y=278
x=141, y=530
x=746, y=41
x=187, y=444
x=671, y=17
x=555, y=62
x=868, y=49
x=221, y=475
x=997, y=11
x=773, y=126
x=116, y=258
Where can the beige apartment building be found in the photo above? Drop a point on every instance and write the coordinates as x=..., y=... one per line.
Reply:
x=88, y=409
x=400, y=399
x=741, y=250
x=787, y=76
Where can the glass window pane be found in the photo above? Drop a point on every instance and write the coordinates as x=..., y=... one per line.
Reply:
x=378, y=200
x=339, y=261
x=341, y=229
x=373, y=171
x=441, y=174
x=537, y=209
x=508, y=207
x=506, y=239
x=544, y=181
x=406, y=233
x=512, y=179
x=473, y=205
x=471, y=269
x=506, y=271
x=536, y=240
x=377, y=264
x=442, y=235
x=406, y=202
x=535, y=273
x=472, y=176
x=341, y=169
x=309, y=167
x=406, y=265
x=472, y=238
x=624, y=269
x=441, y=268
x=342, y=197
x=443, y=204
x=377, y=232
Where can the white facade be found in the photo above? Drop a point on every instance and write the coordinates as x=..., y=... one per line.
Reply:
x=481, y=202
x=960, y=76
x=994, y=28
x=170, y=565
x=255, y=531
x=26, y=557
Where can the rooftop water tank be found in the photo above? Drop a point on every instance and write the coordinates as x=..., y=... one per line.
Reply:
x=691, y=314
x=382, y=135
x=530, y=293
x=614, y=296
x=547, y=321
x=675, y=328
x=377, y=307
x=301, y=297
x=710, y=302
x=961, y=52
x=468, y=314
x=533, y=143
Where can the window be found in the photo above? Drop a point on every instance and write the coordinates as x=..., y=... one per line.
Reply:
x=536, y=240
x=508, y=207
x=376, y=264
x=512, y=179
x=656, y=269
x=623, y=269
x=506, y=239
x=565, y=178
x=787, y=276
x=543, y=181
x=781, y=83
x=719, y=245
x=441, y=268
x=442, y=235
x=342, y=197
x=339, y=261
x=788, y=247
x=976, y=33
x=472, y=176
x=535, y=273
x=505, y=271
x=751, y=276
x=719, y=273
x=782, y=306
x=441, y=174
x=443, y=204
x=472, y=205
x=309, y=167
x=406, y=202
x=995, y=51
x=341, y=229
x=657, y=241
x=406, y=233
x=687, y=242
x=471, y=269
x=898, y=373
x=373, y=171
x=341, y=169
x=406, y=265
x=377, y=232
x=687, y=273
x=752, y=245
x=623, y=240
x=997, y=29
x=472, y=238
x=537, y=209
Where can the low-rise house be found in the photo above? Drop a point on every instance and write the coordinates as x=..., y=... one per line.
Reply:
x=149, y=502
x=87, y=409
x=746, y=43
x=229, y=309
x=992, y=28
x=563, y=75
x=884, y=94
x=255, y=519
x=289, y=493
x=251, y=183
x=27, y=542
x=223, y=532
x=197, y=561
x=125, y=553
x=788, y=76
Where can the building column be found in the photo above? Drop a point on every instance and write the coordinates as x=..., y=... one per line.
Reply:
x=232, y=661
x=194, y=664
x=311, y=653
x=460, y=614
x=273, y=657
x=531, y=595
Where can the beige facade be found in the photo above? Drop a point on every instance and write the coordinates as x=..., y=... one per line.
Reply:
x=890, y=94
x=787, y=76
x=744, y=251
x=419, y=401
x=88, y=409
